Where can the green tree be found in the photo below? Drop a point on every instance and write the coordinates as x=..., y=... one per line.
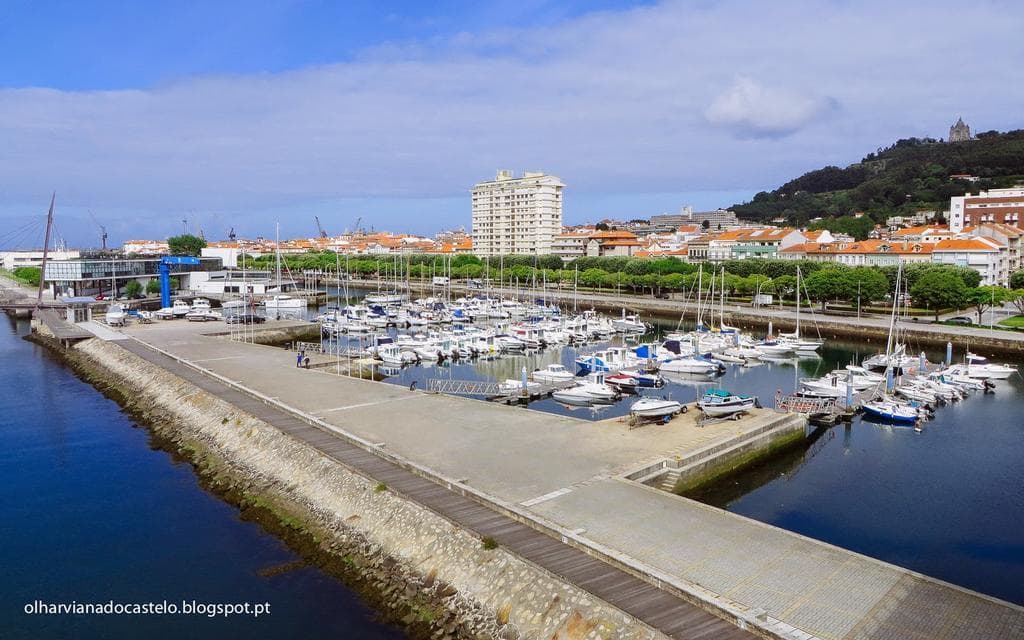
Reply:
x=939, y=289
x=1017, y=279
x=153, y=286
x=185, y=245
x=984, y=298
x=592, y=277
x=133, y=288
x=784, y=286
x=873, y=285
x=1017, y=298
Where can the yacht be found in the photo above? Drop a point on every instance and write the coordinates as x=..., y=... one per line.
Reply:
x=553, y=373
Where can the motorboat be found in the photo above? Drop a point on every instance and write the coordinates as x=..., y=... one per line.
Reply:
x=623, y=382
x=689, y=365
x=515, y=387
x=597, y=388
x=979, y=367
x=283, y=303
x=601, y=361
x=775, y=349
x=200, y=304
x=394, y=354
x=575, y=396
x=115, y=315
x=176, y=310
x=891, y=410
x=628, y=324
x=650, y=380
x=654, y=408
x=203, y=315
x=719, y=403
x=553, y=373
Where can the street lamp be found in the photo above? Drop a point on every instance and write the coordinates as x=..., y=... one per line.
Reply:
x=858, y=299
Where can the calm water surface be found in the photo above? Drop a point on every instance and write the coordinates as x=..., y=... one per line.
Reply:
x=89, y=512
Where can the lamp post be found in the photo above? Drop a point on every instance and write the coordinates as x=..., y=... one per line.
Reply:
x=858, y=299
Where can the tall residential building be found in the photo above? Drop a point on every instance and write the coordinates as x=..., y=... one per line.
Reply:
x=517, y=215
x=1001, y=206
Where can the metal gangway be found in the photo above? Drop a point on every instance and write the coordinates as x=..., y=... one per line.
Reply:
x=463, y=387
x=329, y=349
x=809, y=406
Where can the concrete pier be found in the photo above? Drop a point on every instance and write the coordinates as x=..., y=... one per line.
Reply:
x=576, y=481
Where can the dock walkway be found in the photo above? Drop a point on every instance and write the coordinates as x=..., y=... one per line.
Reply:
x=660, y=609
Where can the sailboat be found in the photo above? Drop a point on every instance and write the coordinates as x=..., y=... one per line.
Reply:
x=794, y=339
x=282, y=303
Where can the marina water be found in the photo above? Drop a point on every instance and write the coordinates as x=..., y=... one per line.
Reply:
x=90, y=512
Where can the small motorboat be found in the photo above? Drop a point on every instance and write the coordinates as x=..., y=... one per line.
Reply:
x=623, y=382
x=553, y=373
x=115, y=316
x=597, y=388
x=515, y=387
x=719, y=403
x=689, y=365
x=202, y=315
x=654, y=408
x=576, y=396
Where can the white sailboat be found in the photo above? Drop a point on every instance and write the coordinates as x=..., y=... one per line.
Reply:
x=282, y=304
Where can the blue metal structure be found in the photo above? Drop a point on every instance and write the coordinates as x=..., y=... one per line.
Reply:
x=165, y=275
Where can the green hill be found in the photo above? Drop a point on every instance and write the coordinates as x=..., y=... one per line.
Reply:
x=909, y=176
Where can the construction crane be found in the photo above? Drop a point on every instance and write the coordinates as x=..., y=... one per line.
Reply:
x=231, y=234
x=355, y=227
x=319, y=227
x=103, y=230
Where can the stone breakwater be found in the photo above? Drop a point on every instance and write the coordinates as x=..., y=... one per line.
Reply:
x=418, y=568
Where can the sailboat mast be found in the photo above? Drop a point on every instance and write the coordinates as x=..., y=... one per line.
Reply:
x=799, y=293
x=46, y=250
x=277, y=253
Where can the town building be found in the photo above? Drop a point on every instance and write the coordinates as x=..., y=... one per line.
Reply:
x=1010, y=237
x=928, y=233
x=717, y=220
x=753, y=242
x=145, y=248
x=984, y=255
x=571, y=244
x=959, y=132
x=863, y=253
x=1001, y=206
x=619, y=243
x=517, y=215
x=91, y=276
x=11, y=260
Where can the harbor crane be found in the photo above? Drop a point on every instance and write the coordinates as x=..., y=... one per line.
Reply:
x=355, y=227
x=231, y=234
x=319, y=227
x=103, y=230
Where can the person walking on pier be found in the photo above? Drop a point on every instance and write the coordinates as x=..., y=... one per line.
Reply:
x=298, y=358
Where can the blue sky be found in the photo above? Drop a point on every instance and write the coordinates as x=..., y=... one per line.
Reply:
x=239, y=114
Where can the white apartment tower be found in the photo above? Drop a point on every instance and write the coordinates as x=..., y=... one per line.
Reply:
x=516, y=215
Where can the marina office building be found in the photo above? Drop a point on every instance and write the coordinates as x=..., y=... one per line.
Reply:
x=92, y=276
x=517, y=215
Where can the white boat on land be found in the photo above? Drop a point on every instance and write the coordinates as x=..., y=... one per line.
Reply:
x=176, y=310
x=202, y=315
x=115, y=315
x=654, y=408
x=200, y=304
x=553, y=373
x=719, y=403
x=233, y=305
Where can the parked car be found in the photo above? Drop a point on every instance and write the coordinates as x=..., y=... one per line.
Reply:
x=960, y=320
x=245, y=318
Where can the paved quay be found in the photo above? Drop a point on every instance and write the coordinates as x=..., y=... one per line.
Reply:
x=566, y=474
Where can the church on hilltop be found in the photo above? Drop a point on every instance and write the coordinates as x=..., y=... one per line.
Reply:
x=959, y=132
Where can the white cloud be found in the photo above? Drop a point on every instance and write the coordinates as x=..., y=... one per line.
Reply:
x=752, y=109
x=615, y=102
